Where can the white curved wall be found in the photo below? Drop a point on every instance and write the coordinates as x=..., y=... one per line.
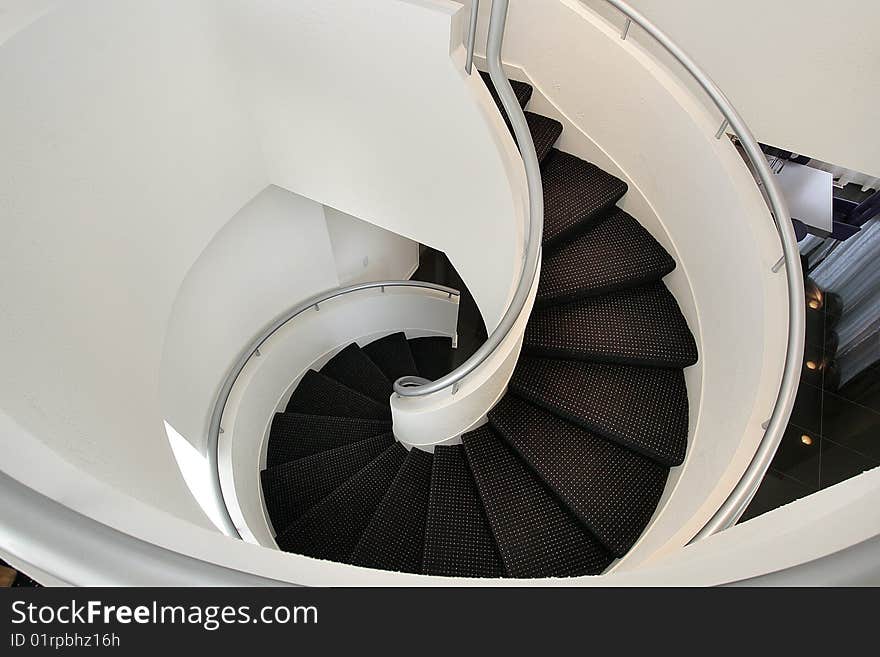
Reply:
x=628, y=113
x=133, y=132
x=272, y=254
x=123, y=153
x=365, y=107
x=803, y=73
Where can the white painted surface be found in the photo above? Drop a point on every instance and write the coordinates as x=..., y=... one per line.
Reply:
x=365, y=107
x=307, y=342
x=176, y=115
x=626, y=112
x=809, y=194
x=15, y=15
x=803, y=73
x=272, y=254
x=123, y=154
x=364, y=252
x=405, y=140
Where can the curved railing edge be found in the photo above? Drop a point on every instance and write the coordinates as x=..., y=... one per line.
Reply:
x=737, y=501
x=104, y=555
x=407, y=387
x=214, y=428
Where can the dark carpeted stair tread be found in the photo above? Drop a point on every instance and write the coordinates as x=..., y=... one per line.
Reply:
x=613, y=490
x=296, y=435
x=393, y=356
x=642, y=408
x=293, y=488
x=616, y=254
x=535, y=534
x=522, y=90
x=353, y=368
x=545, y=131
x=433, y=356
x=642, y=326
x=458, y=541
x=332, y=528
x=576, y=195
x=395, y=536
x=318, y=394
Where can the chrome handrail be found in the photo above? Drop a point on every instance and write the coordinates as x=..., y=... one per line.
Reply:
x=735, y=504
x=253, y=349
x=408, y=386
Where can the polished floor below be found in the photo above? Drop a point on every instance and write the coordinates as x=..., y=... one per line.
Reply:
x=834, y=430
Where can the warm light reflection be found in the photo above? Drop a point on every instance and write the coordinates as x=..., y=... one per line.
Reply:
x=811, y=365
x=807, y=440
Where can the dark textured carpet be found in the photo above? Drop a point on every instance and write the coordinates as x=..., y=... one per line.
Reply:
x=433, y=356
x=641, y=326
x=393, y=356
x=331, y=529
x=616, y=254
x=577, y=194
x=642, y=408
x=536, y=535
x=353, y=368
x=458, y=541
x=395, y=537
x=545, y=131
x=293, y=488
x=318, y=394
x=612, y=489
x=522, y=91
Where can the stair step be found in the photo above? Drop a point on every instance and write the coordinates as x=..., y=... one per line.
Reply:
x=545, y=131
x=458, y=541
x=393, y=356
x=296, y=435
x=332, y=528
x=293, y=488
x=612, y=490
x=616, y=254
x=353, y=368
x=433, y=356
x=576, y=195
x=642, y=326
x=535, y=534
x=642, y=408
x=318, y=394
x=522, y=90
x=395, y=537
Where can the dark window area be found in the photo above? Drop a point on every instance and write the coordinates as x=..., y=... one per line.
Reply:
x=834, y=431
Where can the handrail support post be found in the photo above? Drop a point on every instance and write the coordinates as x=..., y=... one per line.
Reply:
x=472, y=36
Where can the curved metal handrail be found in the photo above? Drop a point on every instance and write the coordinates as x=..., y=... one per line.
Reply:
x=253, y=349
x=739, y=498
x=409, y=387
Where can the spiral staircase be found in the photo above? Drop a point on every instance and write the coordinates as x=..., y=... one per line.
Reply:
x=243, y=212
x=572, y=463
